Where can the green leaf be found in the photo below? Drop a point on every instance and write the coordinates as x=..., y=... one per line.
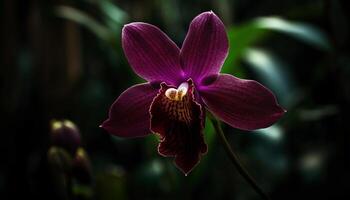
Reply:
x=240, y=38
x=305, y=32
x=113, y=12
x=271, y=71
x=273, y=133
x=85, y=20
x=244, y=36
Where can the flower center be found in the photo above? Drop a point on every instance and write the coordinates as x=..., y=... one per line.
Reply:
x=177, y=94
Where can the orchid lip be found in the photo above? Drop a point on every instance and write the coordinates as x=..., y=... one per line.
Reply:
x=178, y=119
x=177, y=94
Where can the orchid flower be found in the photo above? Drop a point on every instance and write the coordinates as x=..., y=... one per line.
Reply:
x=182, y=84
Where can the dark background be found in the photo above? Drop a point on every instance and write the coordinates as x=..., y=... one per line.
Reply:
x=62, y=59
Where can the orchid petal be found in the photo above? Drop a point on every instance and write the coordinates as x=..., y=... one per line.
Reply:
x=205, y=47
x=243, y=104
x=151, y=54
x=129, y=115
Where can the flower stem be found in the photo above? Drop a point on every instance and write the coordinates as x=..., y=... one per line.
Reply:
x=234, y=158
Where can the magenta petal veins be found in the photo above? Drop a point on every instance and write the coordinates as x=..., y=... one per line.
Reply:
x=129, y=114
x=151, y=53
x=243, y=104
x=205, y=47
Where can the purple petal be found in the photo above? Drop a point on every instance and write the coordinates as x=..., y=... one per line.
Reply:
x=205, y=47
x=129, y=115
x=180, y=126
x=152, y=55
x=243, y=104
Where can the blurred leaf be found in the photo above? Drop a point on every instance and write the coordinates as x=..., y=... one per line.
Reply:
x=318, y=113
x=84, y=19
x=271, y=71
x=209, y=131
x=273, y=133
x=305, y=32
x=150, y=144
x=113, y=12
x=115, y=18
x=241, y=38
x=171, y=15
x=244, y=36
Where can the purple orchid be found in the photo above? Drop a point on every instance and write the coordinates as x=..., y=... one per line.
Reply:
x=182, y=85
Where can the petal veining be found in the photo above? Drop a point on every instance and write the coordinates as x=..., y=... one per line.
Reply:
x=151, y=53
x=129, y=114
x=243, y=104
x=205, y=47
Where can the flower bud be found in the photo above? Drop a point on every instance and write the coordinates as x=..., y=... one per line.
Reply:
x=81, y=169
x=60, y=159
x=66, y=135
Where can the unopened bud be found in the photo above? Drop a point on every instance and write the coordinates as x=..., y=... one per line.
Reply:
x=82, y=167
x=60, y=159
x=65, y=134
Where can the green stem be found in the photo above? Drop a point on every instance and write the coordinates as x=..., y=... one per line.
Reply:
x=234, y=158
